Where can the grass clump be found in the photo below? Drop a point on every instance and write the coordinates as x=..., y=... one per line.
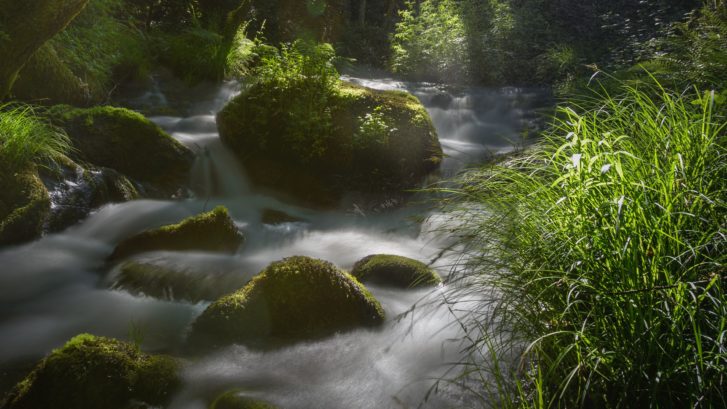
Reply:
x=603, y=251
x=26, y=139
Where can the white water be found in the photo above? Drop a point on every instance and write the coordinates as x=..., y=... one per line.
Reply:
x=57, y=287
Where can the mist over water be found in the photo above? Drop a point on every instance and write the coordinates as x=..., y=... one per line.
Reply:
x=57, y=287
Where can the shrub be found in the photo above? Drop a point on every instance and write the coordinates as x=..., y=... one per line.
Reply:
x=605, y=247
x=430, y=41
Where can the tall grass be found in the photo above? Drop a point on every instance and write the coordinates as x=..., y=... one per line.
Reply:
x=601, y=256
x=26, y=139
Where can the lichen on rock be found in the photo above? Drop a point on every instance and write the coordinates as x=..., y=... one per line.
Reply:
x=395, y=271
x=96, y=373
x=294, y=299
x=211, y=231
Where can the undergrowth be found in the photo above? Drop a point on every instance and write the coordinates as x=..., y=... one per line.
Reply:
x=599, y=257
x=25, y=139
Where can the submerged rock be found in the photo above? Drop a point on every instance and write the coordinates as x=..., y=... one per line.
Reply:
x=211, y=231
x=294, y=299
x=125, y=141
x=395, y=271
x=376, y=142
x=236, y=400
x=272, y=216
x=96, y=373
x=175, y=283
x=24, y=205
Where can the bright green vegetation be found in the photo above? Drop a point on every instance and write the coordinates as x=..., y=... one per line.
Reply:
x=123, y=140
x=27, y=140
x=175, y=283
x=605, y=245
x=396, y=271
x=563, y=42
x=300, y=129
x=210, y=231
x=235, y=400
x=294, y=299
x=430, y=43
x=96, y=373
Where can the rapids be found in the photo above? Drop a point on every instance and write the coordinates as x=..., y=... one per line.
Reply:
x=58, y=286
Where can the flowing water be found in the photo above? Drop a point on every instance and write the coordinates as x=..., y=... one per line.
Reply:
x=58, y=286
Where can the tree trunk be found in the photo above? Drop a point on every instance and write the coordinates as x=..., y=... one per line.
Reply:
x=362, y=12
x=24, y=27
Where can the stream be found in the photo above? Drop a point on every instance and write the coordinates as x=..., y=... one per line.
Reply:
x=58, y=286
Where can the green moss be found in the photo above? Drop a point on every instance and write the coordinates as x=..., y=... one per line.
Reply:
x=326, y=163
x=175, y=282
x=294, y=299
x=211, y=231
x=396, y=271
x=24, y=205
x=47, y=78
x=124, y=140
x=234, y=400
x=96, y=373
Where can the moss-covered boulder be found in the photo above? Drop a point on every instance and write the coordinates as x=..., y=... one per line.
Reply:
x=235, y=399
x=175, y=283
x=211, y=231
x=294, y=299
x=126, y=141
x=395, y=271
x=24, y=205
x=96, y=373
x=369, y=141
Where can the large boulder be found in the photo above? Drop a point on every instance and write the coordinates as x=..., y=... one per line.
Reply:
x=96, y=373
x=175, y=283
x=294, y=299
x=395, y=271
x=372, y=142
x=211, y=231
x=125, y=141
x=24, y=204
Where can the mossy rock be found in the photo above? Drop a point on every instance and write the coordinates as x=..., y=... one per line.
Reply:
x=294, y=299
x=76, y=191
x=396, y=153
x=96, y=373
x=274, y=217
x=211, y=231
x=175, y=283
x=395, y=271
x=236, y=400
x=24, y=205
x=47, y=79
x=126, y=141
